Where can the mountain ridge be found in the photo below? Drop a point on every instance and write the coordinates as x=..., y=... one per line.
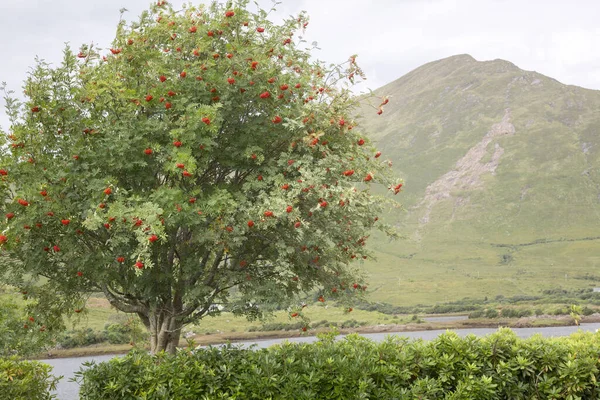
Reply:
x=490, y=154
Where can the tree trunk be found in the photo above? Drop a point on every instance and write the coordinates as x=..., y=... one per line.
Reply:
x=165, y=332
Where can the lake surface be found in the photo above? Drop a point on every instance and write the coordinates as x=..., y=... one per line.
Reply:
x=68, y=366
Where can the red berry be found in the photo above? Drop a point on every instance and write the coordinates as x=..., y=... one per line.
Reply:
x=297, y=224
x=148, y=151
x=285, y=186
x=35, y=109
x=10, y=215
x=265, y=95
x=186, y=173
x=349, y=172
x=368, y=177
x=277, y=119
x=206, y=120
x=65, y=222
x=229, y=13
x=79, y=273
x=254, y=64
x=177, y=143
x=260, y=178
x=289, y=209
x=139, y=265
x=153, y=238
x=3, y=172
x=162, y=78
x=149, y=97
x=50, y=214
x=120, y=259
x=3, y=239
x=44, y=193
x=231, y=81
x=260, y=30
x=268, y=213
x=378, y=154
x=115, y=51
x=361, y=142
x=323, y=204
x=183, y=74
x=56, y=248
x=24, y=203
x=193, y=29
x=180, y=165
x=107, y=191
x=284, y=87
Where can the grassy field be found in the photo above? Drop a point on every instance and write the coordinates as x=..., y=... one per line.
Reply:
x=98, y=313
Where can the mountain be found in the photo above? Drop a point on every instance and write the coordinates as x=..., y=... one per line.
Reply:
x=502, y=183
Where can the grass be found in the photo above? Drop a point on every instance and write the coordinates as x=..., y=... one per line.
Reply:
x=98, y=313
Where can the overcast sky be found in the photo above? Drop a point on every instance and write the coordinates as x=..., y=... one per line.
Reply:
x=558, y=38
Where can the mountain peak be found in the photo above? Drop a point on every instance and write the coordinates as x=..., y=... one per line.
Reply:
x=502, y=176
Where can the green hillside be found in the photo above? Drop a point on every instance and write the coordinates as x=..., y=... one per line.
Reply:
x=502, y=183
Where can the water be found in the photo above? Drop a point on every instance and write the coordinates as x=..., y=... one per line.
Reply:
x=68, y=366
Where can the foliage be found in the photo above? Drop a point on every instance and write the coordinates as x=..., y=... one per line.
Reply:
x=20, y=332
x=128, y=331
x=499, y=366
x=205, y=159
x=26, y=380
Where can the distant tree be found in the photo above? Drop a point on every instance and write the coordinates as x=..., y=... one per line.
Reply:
x=205, y=159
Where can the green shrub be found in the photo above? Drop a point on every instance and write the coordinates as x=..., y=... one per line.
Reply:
x=491, y=313
x=499, y=366
x=80, y=337
x=477, y=314
x=560, y=311
x=25, y=380
x=516, y=313
x=587, y=311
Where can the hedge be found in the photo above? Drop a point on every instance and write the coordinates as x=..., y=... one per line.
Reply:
x=498, y=366
x=25, y=380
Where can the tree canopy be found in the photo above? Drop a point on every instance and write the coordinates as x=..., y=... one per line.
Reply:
x=204, y=159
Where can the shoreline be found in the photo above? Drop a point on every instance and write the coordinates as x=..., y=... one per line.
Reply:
x=216, y=339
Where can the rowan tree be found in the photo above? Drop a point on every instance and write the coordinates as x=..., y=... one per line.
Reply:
x=204, y=159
